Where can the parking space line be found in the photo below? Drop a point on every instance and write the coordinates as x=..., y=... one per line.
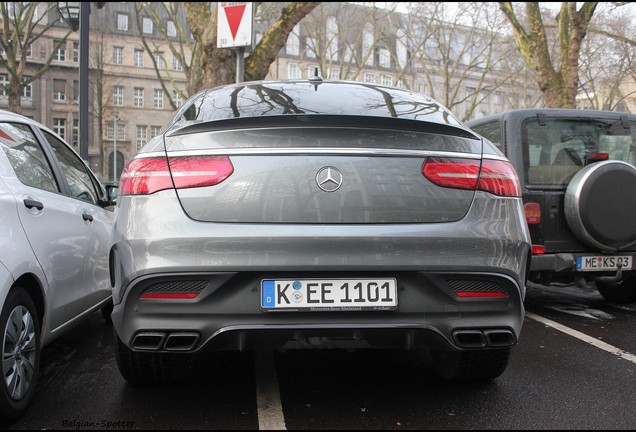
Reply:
x=268, y=404
x=585, y=338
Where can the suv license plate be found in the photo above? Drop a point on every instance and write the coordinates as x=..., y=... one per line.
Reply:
x=327, y=295
x=603, y=263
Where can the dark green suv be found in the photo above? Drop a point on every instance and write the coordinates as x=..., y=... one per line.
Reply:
x=578, y=180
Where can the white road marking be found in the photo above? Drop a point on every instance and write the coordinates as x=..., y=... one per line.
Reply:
x=268, y=406
x=585, y=338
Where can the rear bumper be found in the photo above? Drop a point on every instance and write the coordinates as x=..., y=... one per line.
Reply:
x=561, y=266
x=227, y=315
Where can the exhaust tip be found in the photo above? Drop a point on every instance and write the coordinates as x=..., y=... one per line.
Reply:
x=148, y=340
x=469, y=338
x=499, y=338
x=181, y=341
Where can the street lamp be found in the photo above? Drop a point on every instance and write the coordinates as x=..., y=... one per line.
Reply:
x=75, y=14
x=115, y=146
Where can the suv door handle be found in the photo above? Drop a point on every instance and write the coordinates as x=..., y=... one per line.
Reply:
x=87, y=217
x=30, y=203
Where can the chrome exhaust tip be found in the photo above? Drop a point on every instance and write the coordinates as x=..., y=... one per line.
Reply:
x=148, y=340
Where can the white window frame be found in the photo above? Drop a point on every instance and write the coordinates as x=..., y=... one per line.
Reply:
x=122, y=22
x=60, y=53
x=138, y=97
x=293, y=71
x=118, y=55
x=157, y=99
x=138, y=60
x=141, y=135
x=118, y=96
x=171, y=29
x=147, y=25
x=59, y=127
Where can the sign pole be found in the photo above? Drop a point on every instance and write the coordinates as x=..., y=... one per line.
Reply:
x=240, y=65
x=235, y=23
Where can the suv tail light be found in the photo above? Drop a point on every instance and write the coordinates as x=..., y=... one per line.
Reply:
x=494, y=176
x=145, y=176
x=533, y=213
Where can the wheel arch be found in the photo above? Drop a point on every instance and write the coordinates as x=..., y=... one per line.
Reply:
x=32, y=286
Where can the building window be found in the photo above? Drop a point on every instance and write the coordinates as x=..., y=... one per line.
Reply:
x=60, y=52
x=159, y=59
x=400, y=84
x=334, y=73
x=75, y=52
x=138, y=100
x=387, y=80
x=292, y=47
x=59, y=90
x=367, y=44
x=154, y=131
x=147, y=25
x=59, y=127
x=293, y=71
x=332, y=38
x=176, y=98
x=29, y=52
x=311, y=70
x=310, y=48
x=118, y=55
x=138, y=60
x=171, y=30
x=158, y=99
x=75, y=134
x=27, y=90
x=118, y=96
x=141, y=136
x=4, y=84
x=176, y=64
x=122, y=22
x=369, y=77
x=384, y=58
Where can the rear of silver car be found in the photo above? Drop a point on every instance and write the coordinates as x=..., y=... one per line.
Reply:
x=317, y=231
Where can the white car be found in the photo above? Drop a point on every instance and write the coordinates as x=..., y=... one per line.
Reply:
x=56, y=220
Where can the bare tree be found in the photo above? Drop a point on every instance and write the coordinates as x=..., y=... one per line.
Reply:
x=23, y=23
x=195, y=45
x=169, y=20
x=102, y=83
x=461, y=53
x=608, y=62
x=558, y=77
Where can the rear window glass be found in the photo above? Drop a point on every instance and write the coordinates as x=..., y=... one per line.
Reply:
x=554, y=153
x=349, y=138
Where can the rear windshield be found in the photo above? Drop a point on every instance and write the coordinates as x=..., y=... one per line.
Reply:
x=322, y=137
x=558, y=150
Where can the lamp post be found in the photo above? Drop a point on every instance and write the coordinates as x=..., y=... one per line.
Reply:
x=76, y=14
x=115, y=147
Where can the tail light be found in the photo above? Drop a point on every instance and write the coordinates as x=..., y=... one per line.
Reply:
x=145, y=176
x=596, y=157
x=497, y=177
x=538, y=249
x=533, y=213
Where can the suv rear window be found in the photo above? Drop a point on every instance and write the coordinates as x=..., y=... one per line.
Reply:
x=558, y=150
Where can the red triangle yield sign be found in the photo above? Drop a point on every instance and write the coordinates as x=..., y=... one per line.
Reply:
x=234, y=15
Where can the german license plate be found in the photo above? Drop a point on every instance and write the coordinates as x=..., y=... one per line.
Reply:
x=326, y=295
x=603, y=263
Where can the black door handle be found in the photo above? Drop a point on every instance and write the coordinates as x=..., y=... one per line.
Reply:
x=30, y=203
x=87, y=217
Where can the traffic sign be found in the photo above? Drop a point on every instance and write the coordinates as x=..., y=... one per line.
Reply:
x=234, y=27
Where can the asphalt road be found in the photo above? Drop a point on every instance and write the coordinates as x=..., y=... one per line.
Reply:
x=574, y=368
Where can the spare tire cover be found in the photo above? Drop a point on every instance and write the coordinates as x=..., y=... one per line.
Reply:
x=600, y=205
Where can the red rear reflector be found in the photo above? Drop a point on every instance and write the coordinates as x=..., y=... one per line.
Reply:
x=494, y=176
x=477, y=294
x=596, y=157
x=145, y=176
x=172, y=296
x=533, y=213
x=538, y=249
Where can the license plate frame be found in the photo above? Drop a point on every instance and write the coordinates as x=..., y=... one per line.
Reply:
x=329, y=295
x=589, y=263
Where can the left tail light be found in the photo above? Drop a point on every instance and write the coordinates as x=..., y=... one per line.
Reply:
x=494, y=176
x=145, y=176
